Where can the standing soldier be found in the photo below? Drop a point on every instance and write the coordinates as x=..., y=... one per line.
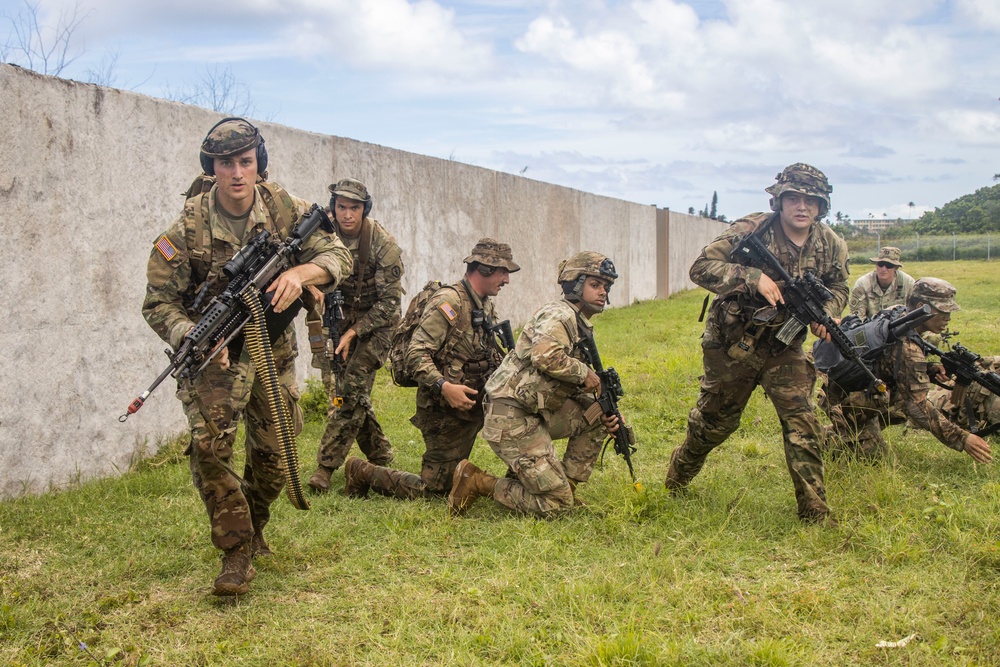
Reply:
x=740, y=347
x=542, y=392
x=451, y=355
x=372, y=295
x=185, y=267
x=905, y=364
x=882, y=288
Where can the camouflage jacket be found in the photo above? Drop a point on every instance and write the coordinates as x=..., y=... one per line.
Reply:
x=824, y=254
x=373, y=302
x=906, y=364
x=173, y=273
x=446, y=345
x=547, y=365
x=868, y=297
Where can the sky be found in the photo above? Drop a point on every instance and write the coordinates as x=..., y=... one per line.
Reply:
x=653, y=101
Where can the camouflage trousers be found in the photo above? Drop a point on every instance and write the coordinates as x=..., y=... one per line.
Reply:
x=953, y=403
x=236, y=507
x=524, y=442
x=858, y=431
x=354, y=420
x=787, y=378
x=448, y=438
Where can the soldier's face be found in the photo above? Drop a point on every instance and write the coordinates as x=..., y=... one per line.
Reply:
x=236, y=176
x=939, y=322
x=495, y=281
x=798, y=211
x=885, y=272
x=349, y=213
x=595, y=293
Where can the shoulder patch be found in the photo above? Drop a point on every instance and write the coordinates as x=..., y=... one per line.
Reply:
x=166, y=248
x=448, y=311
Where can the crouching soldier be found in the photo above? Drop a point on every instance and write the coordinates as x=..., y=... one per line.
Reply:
x=540, y=393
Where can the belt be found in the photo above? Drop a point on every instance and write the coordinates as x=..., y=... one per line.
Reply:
x=502, y=407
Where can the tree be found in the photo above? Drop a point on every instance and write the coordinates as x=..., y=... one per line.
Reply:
x=690, y=210
x=911, y=205
x=219, y=90
x=36, y=46
x=713, y=213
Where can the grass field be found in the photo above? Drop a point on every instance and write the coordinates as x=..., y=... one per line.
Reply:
x=118, y=572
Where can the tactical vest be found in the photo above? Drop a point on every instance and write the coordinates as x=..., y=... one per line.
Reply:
x=457, y=364
x=358, y=289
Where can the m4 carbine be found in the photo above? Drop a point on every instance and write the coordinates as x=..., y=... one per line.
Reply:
x=804, y=298
x=254, y=267
x=964, y=365
x=333, y=315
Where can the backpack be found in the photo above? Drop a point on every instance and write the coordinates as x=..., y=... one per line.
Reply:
x=403, y=333
x=869, y=337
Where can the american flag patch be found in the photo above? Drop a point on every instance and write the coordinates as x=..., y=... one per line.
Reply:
x=166, y=248
x=448, y=311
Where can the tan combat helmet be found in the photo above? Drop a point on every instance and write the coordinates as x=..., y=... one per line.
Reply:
x=490, y=252
x=938, y=293
x=805, y=180
x=574, y=271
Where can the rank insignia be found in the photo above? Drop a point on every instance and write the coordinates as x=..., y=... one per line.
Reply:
x=166, y=248
x=448, y=311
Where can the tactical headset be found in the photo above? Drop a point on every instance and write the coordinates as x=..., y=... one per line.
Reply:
x=208, y=163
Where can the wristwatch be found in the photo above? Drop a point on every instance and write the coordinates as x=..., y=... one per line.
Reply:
x=439, y=385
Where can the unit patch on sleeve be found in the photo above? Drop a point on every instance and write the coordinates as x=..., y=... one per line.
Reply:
x=166, y=248
x=448, y=311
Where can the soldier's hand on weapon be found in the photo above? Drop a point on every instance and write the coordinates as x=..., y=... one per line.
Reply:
x=820, y=332
x=459, y=396
x=345, y=342
x=222, y=358
x=938, y=372
x=593, y=382
x=318, y=296
x=611, y=424
x=769, y=289
x=286, y=288
x=978, y=449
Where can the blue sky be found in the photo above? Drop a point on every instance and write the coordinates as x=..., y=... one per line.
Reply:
x=655, y=101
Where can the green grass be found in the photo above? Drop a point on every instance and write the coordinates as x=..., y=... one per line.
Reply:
x=724, y=575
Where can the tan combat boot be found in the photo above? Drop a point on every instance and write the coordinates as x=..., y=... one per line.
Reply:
x=357, y=477
x=320, y=480
x=237, y=572
x=467, y=484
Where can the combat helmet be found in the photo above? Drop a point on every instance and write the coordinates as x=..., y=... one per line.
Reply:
x=232, y=136
x=574, y=271
x=805, y=180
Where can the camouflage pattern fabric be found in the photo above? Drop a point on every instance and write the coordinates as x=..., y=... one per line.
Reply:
x=785, y=373
x=372, y=309
x=868, y=297
x=985, y=404
x=227, y=396
x=444, y=345
x=865, y=417
x=493, y=253
x=536, y=397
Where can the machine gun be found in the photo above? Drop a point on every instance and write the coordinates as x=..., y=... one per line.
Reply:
x=333, y=315
x=963, y=364
x=254, y=267
x=804, y=298
x=611, y=391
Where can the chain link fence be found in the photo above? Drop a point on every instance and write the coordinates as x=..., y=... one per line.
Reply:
x=919, y=247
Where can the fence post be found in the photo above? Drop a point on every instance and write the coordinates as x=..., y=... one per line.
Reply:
x=953, y=246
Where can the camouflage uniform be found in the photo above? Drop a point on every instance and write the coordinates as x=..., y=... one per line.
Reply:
x=785, y=373
x=985, y=404
x=868, y=297
x=372, y=309
x=236, y=510
x=445, y=346
x=865, y=416
x=535, y=397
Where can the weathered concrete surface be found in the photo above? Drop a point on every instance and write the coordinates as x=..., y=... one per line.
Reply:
x=90, y=176
x=687, y=235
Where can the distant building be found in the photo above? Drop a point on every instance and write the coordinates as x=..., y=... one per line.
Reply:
x=876, y=224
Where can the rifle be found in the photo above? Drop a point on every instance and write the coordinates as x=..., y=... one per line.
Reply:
x=963, y=364
x=500, y=335
x=611, y=391
x=254, y=267
x=804, y=299
x=333, y=315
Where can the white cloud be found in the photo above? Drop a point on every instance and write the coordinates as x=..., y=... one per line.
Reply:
x=981, y=14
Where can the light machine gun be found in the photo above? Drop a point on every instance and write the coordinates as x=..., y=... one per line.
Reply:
x=804, y=298
x=963, y=364
x=611, y=391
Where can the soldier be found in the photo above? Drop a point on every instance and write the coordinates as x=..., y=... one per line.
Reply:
x=882, y=288
x=185, y=265
x=372, y=295
x=866, y=416
x=740, y=347
x=544, y=391
x=955, y=402
x=451, y=355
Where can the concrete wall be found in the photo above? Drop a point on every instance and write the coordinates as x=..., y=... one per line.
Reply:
x=90, y=176
x=687, y=235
